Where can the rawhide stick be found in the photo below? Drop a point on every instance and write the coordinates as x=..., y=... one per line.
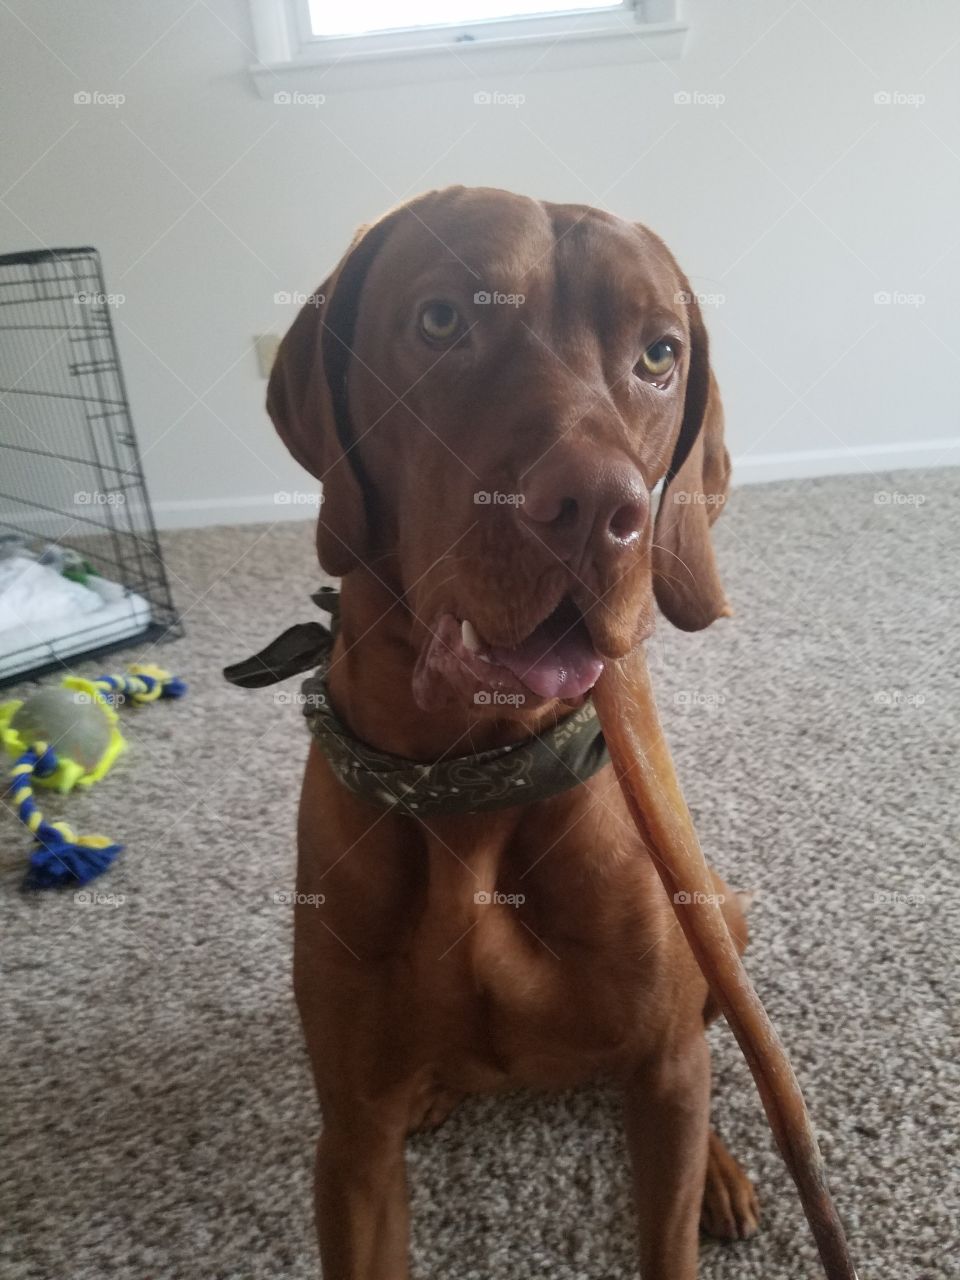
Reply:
x=628, y=715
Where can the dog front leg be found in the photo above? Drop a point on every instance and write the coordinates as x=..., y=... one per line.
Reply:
x=667, y=1113
x=361, y=1196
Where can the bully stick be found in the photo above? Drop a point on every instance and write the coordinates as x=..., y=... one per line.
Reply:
x=625, y=702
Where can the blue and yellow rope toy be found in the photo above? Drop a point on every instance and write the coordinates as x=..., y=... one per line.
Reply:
x=63, y=737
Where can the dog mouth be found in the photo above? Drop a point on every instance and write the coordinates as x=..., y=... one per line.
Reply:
x=556, y=660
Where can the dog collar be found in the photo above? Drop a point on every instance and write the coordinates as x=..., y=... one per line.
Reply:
x=538, y=767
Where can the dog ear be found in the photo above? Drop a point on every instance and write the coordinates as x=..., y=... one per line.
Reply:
x=307, y=400
x=685, y=577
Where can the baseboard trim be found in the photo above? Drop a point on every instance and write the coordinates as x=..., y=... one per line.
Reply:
x=757, y=468
x=259, y=508
x=807, y=464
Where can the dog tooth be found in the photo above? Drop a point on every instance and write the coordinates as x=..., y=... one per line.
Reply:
x=468, y=634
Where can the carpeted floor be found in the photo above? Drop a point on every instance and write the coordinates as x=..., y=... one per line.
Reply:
x=157, y=1114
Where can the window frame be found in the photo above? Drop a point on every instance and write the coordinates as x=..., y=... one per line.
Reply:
x=287, y=48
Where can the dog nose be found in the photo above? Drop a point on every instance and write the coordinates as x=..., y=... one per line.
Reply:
x=570, y=501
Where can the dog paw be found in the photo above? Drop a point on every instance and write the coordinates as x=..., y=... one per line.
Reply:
x=433, y=1109
x=730, y=1210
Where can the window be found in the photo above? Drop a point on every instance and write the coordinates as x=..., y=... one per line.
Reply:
x=423, y=39
x=360, y=17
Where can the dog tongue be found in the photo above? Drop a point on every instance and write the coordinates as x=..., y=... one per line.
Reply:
x=557, y=660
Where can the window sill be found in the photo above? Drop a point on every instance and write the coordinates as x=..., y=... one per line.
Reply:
x=322, y=71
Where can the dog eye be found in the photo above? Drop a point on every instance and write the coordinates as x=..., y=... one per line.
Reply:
x=658, y=360
x=439, y=321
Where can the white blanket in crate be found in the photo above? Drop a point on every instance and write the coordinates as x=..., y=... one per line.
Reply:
x=45, y=616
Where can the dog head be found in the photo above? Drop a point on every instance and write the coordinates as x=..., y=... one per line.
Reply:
x=490, y=388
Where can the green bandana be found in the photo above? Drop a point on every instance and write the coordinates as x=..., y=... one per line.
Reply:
x=541, y=766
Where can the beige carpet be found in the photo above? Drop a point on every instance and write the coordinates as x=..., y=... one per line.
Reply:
x=156, y=1113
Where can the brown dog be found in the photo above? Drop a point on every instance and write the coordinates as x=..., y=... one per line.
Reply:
x=490, y=391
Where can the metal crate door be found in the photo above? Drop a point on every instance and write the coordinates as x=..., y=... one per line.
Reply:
x=70, y=469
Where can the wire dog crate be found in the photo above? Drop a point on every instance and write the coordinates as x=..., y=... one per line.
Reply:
x=80, y=564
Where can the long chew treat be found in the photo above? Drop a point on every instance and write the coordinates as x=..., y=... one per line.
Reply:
x=628, y=714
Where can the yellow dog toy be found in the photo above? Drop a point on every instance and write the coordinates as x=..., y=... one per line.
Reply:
x=65, y=737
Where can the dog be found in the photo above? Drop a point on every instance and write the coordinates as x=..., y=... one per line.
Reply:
x=490, y=389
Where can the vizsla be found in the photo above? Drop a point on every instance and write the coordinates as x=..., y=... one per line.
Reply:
x=490, y=391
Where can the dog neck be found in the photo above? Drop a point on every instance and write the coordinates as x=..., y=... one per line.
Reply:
x=371, y=683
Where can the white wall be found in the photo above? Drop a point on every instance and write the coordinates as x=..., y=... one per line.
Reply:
x=798, y=199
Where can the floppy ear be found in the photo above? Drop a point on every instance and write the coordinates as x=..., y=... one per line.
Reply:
x=685, y=578
x=307, y=400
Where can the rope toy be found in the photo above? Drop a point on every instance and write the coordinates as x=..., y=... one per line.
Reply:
x=63, y=737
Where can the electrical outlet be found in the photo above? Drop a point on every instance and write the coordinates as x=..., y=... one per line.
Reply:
x=267, y=345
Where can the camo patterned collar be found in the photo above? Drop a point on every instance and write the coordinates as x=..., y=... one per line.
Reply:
x=541, y=766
